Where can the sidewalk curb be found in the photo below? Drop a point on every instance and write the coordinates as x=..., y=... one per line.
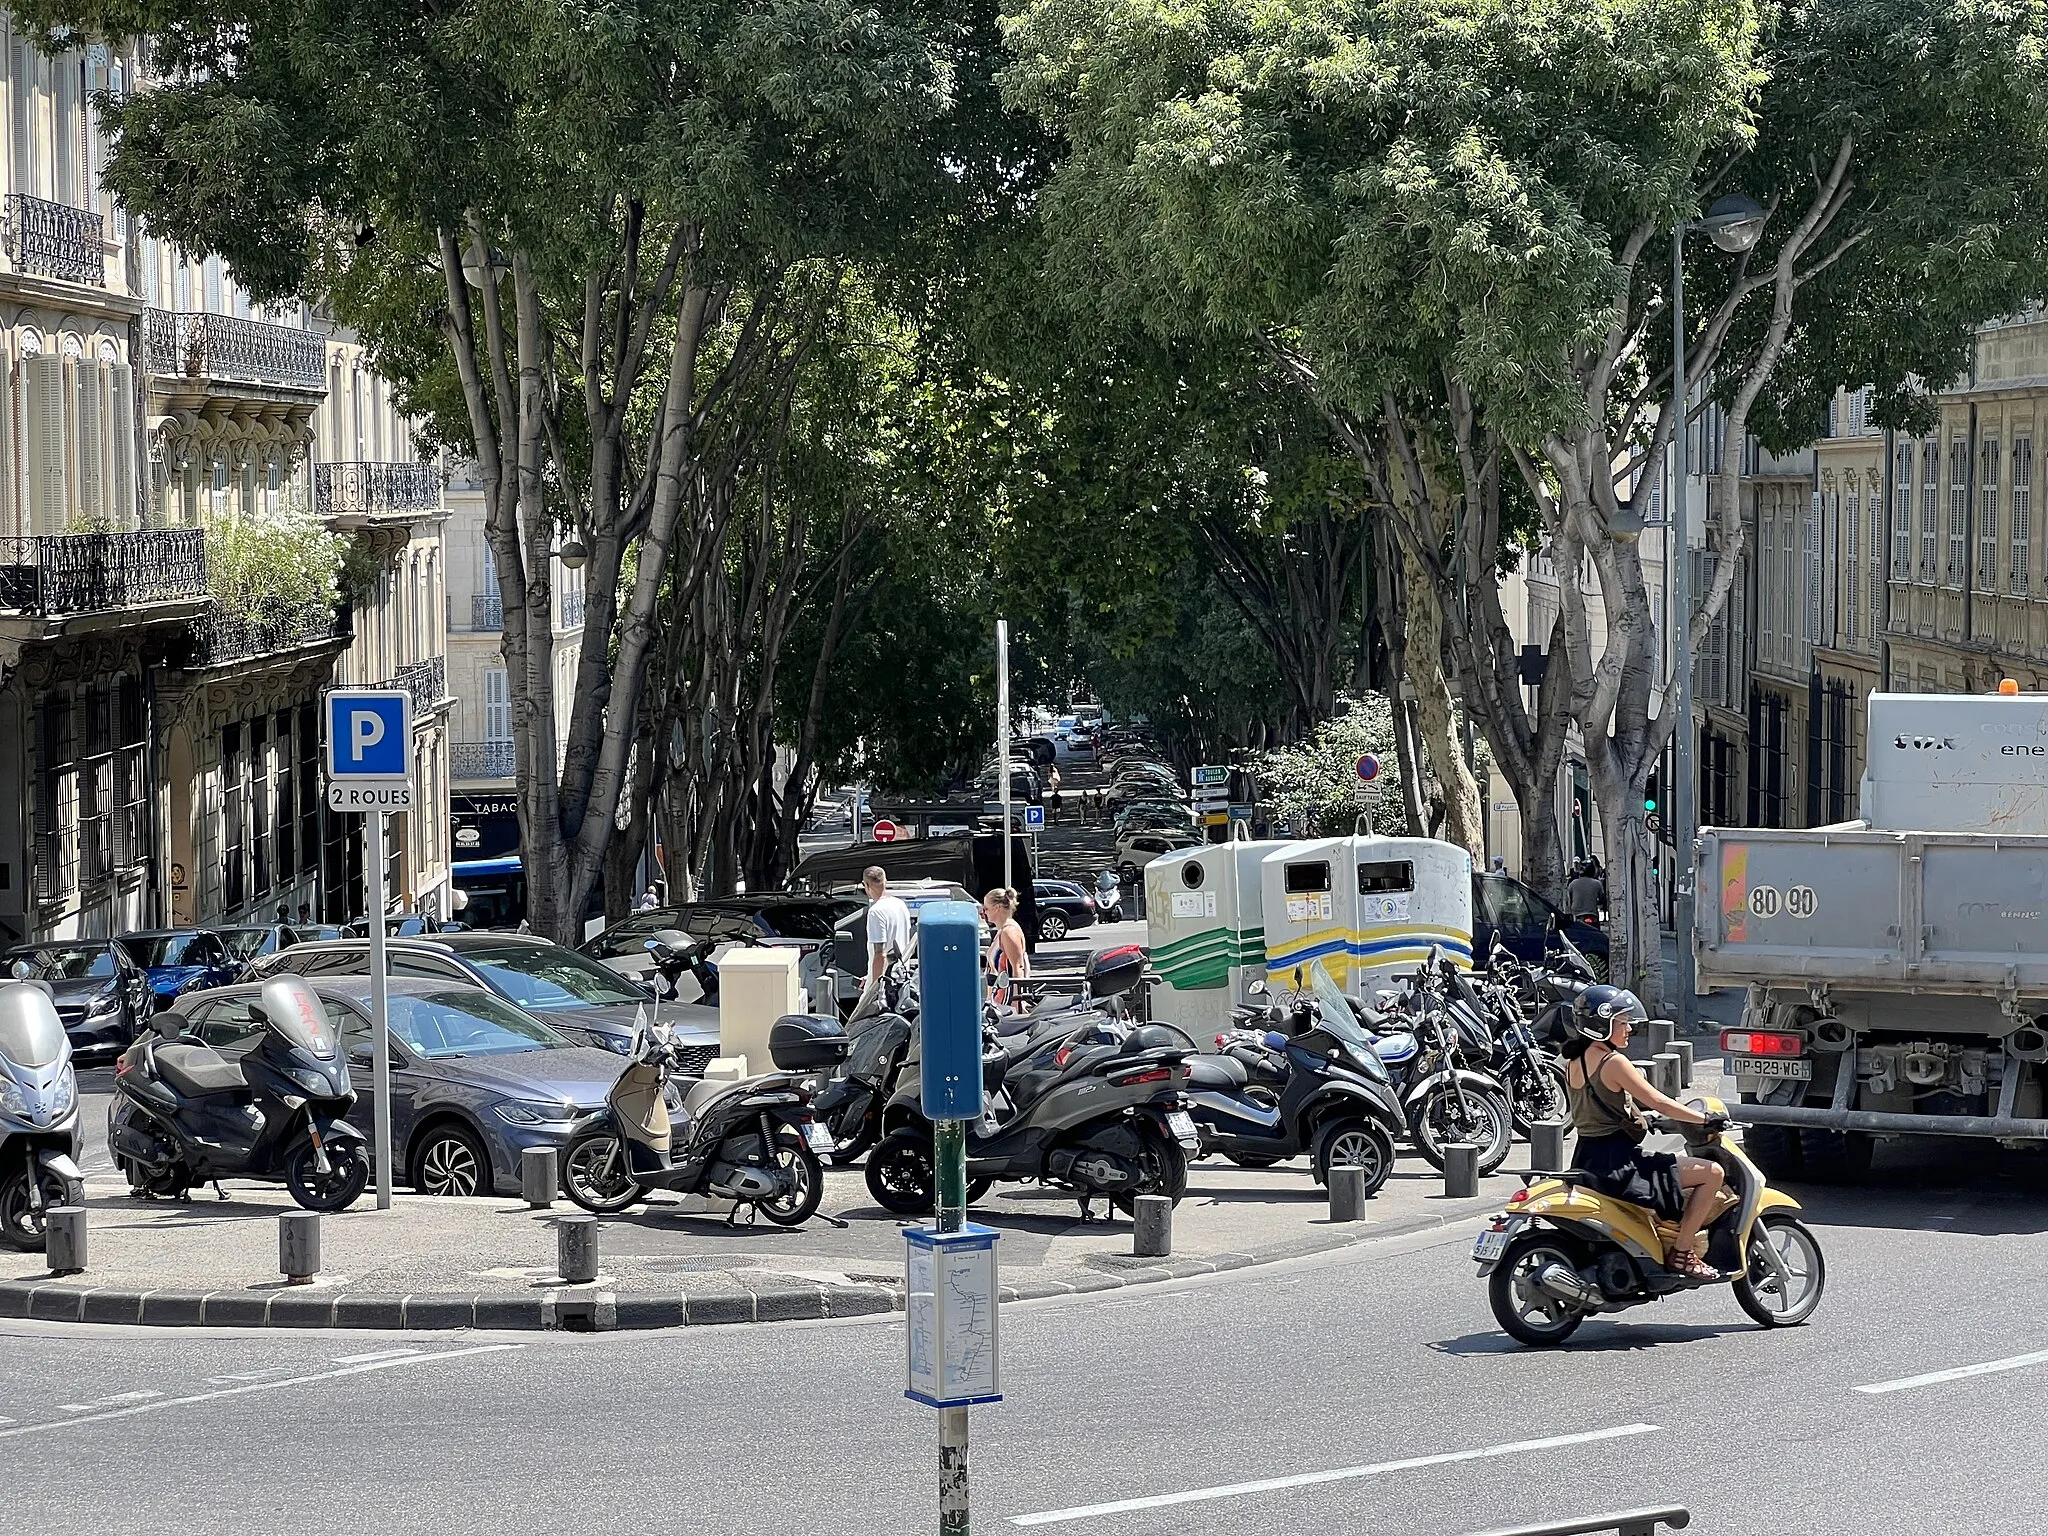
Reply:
x=589, y=1309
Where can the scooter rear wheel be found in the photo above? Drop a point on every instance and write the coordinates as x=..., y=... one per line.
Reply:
x=1165, y=1169
x=1518, y=1306
x=807, y=1179
x=594, y=1174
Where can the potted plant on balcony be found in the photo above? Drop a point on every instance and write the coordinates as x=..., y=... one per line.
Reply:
x=274, y=578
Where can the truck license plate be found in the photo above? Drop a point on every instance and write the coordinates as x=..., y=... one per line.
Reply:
x=1794, y=1068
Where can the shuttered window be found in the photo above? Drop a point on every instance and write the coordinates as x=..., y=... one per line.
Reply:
x=1852, y=524
x=1902, y=524
x=125, y=485
x=1930, y=506
x=1987, y=514
x=1958, y=506
x=44, y=439
x=2022, y=513
x=89, y=431
x=497, y=706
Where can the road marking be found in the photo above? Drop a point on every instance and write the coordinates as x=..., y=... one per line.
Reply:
x=1338, y=1475
x=1959, y=1373
x=254, y=1386
x=377, y=1354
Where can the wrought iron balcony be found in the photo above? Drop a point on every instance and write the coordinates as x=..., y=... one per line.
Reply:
x=54, y=240
x=481, y=760
x=426, y=681
x=225, y=349
x=228, y=637
x=486, y=611
x=375, y=487
x=573, y=603
x=72, y=573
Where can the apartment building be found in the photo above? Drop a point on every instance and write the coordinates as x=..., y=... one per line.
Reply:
x=484, y=815
x=159, y=732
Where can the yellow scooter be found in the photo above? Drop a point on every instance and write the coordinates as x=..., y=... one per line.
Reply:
x=1563, y=1252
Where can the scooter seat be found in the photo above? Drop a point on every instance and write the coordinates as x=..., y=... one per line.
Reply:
x=701, y=1094
x=197, y=1071
x=1218, y=1073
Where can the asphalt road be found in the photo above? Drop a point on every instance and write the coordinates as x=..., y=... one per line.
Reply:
x=1305, y=1381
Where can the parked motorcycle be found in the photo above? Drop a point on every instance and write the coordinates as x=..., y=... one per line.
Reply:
x=1563, y=1252
x=1311, y=1084
x=1424, y=1043
x=38, y=1116
x=752, y=1141
x=1085, y=1105
x=183, y=1114
x=1533, y=1077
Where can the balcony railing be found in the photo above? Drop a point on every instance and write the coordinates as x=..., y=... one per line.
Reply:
x=375, y=487
x=53, y=240
x=573, y=602
x=226, y=637
x=481, y=760
x=426, y=681
x=68, y=573
x=223, y=348
x=486, y=611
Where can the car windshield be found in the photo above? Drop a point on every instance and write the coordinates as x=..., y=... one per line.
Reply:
x=802, y=921
x=550, y=979
x=626, y=937
x=30, y=1035
x=442, y=1024
x=66, y=962
x=245, y=943
x=168, y=948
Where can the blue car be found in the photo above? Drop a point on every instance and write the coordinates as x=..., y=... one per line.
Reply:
x=475, y=1081
x=180, y=960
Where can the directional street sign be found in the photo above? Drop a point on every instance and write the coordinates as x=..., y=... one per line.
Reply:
x=369, y=749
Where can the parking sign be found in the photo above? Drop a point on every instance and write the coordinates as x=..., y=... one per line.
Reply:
x=369, y=749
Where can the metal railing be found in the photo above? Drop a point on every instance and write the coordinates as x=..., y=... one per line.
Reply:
x=482, y=760
x=54, y=239
x=1629, y=1522
x=573, y=604
x=374, y=486
x=225, y=637
x=203, y=346
x=486, y=611
x=426, y=681
x=66, y=573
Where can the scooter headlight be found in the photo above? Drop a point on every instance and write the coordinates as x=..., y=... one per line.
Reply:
x=12, y=1100
x=65, y=1094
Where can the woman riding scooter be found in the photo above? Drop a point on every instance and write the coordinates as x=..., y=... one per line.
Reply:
x=1605, y=1088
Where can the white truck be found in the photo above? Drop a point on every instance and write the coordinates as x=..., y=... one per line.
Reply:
x=1896, y=967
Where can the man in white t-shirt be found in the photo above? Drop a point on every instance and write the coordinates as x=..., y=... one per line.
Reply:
x=888, y=923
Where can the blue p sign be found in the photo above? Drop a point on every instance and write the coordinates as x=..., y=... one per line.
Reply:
x=368, y=734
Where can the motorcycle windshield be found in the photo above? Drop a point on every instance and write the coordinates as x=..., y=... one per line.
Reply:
x=30, y=1033
x=871, y=1048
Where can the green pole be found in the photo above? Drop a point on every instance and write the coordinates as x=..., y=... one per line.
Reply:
x=950, y=1154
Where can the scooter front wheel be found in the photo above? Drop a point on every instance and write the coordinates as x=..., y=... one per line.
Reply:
x=22, y=1223
x=594, y=1174
x=347, y=1175
x=1477, y=1115
x=1782, y=1294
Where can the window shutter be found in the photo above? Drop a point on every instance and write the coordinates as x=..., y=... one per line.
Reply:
x=49, y=508
x=10, y=517
x=121, y=415
x=89, y=389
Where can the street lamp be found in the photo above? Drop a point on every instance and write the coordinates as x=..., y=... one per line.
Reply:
x=1734, y=223
x=572, y=555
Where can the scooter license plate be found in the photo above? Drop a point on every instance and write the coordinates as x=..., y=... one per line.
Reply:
x=1182, y=1124
x=1492, y=1244
x=817, y=1137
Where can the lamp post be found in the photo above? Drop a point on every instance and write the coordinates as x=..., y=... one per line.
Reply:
x=1733, y=223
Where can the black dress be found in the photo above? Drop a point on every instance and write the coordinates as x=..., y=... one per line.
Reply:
x=1619, y=1165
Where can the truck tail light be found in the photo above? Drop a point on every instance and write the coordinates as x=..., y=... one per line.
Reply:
x=1762, y=1042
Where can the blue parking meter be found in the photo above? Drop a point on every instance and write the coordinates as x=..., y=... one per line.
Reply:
x=949, y=992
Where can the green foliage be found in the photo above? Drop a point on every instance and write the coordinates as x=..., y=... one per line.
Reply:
x=1314, y=784
x=273, y=568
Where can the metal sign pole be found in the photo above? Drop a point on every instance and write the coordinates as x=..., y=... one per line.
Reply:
x=950, y=1158
x=1003, y=735
x=380, y=1008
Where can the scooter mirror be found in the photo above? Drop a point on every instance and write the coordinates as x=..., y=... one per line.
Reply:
x=21, y=970
x=171, y=1024
x=1257, y=988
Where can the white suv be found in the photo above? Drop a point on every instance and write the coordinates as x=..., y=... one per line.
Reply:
x=1140, y=846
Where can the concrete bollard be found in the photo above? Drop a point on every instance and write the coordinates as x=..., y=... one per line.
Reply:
x=1661, y=1033
x=298, y=1246
x=537, y=1180
x=1682, y=1049
x=65, y=1229
x=1347, y=1194
x=1664, y=1073
x=1546, y=1146
x=576, y=1249
x=1461, y=1170
x=1152, y=1226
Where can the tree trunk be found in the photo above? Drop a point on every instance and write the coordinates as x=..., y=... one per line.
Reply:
x=1634, y=948
x=1462, y=817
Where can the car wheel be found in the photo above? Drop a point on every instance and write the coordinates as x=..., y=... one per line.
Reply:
x=1127, y=872
x=448, y=1160
x=1051, y=928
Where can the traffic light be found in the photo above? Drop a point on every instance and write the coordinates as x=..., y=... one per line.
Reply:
x=1650, y=801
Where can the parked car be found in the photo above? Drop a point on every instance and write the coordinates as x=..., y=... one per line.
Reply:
x=255, y=941
x=588, y=1002
x=1134, y=850
x=1502, y=905
x=102, y=995
x=1154, y=815
x=1063, y=907
x=182, y=959
x=474, y=1080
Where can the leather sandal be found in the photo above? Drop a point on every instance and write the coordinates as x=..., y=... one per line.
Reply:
x=1685, y=1262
